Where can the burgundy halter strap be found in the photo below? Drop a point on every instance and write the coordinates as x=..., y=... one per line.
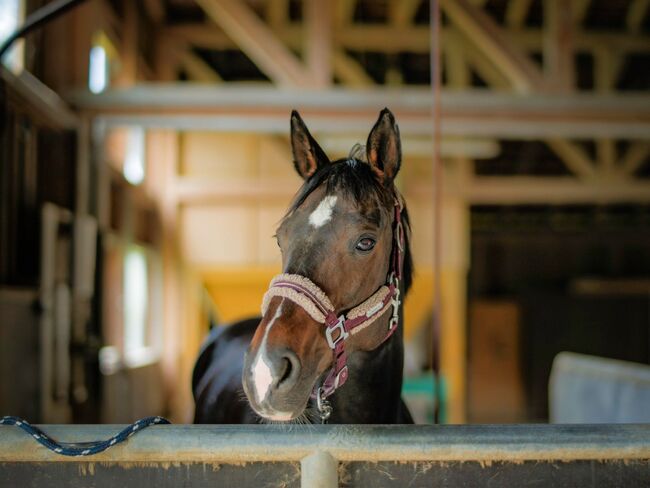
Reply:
x=339, y=328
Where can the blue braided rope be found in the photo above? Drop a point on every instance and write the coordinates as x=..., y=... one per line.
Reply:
x=81, y=448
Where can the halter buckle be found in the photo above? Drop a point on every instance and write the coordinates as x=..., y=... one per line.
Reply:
x=343, y=334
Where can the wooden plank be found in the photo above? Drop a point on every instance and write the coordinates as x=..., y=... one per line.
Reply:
x=488, y=37
x=258, y=42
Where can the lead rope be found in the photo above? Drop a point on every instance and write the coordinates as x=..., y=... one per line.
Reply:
x=82, y=448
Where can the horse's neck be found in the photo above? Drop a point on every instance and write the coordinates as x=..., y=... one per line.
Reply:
x=372, y=392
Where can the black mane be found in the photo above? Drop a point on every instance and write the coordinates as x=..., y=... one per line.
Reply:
x=355, y=179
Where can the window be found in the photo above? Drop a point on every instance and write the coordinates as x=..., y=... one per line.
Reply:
x=98, y=70
x=141, y=338
x=102, y=54
x=11, y=16
x=134, y=159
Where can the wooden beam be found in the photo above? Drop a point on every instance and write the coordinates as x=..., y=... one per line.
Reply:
x=636, y=12
x=606, y=156
x=401, y=12
x=455, y=58
x=31, y=96
x=559, y=64
x=479, y=190
x=516, y=12
x=258, y=42
x=520, y=190
x=607, y=66
x=318, y=23
x=349, y=71
x=574, y=156
x=129, y=52
x=580, y=9
x=197, y=68
x=415, y=147
x=414, y=38
x=488, y=37
x=165, y=66
x=473, y=112
x=494, y=78
x=344, y=12
x=277, y=13
x=637, y=154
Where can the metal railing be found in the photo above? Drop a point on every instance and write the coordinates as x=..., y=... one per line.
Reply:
x=347, y=455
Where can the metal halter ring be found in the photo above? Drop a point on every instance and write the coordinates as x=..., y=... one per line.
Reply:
x=324, y=407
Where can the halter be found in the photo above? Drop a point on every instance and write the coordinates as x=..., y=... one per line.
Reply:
x=311, y=298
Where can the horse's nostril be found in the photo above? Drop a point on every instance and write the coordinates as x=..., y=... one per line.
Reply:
x=289, y=370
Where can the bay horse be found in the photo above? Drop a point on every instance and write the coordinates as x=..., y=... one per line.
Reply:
x=328, y=320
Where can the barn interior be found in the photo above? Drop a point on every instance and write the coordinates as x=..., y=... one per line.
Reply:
x=145, y=162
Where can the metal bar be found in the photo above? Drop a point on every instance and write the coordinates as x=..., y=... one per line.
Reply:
x=346, y=443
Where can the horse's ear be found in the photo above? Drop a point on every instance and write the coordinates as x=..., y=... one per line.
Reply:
x=307, y=154
x=384, y=149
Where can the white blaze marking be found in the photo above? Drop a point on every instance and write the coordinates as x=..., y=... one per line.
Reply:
x=323, y=212
x=262, y=377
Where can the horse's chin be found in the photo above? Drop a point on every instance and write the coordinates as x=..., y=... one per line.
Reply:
x=270, y=414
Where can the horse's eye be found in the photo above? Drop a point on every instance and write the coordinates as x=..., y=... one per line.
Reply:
x=365, y=244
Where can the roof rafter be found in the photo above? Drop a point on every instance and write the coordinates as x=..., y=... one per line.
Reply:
x=487, y=36
x=258, y=41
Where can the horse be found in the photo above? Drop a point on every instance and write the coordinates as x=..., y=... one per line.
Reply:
x=328, y=345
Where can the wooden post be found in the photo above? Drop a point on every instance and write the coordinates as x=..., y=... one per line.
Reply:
x=318, y=25
x=558, y=45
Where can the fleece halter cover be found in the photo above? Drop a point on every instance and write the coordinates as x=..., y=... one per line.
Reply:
x=313, y=300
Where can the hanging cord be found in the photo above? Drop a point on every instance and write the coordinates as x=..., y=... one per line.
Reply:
x=44, y=14
x=82, y=448
x=434, y=16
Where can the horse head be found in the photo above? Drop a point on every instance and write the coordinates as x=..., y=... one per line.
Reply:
x=336, y=240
